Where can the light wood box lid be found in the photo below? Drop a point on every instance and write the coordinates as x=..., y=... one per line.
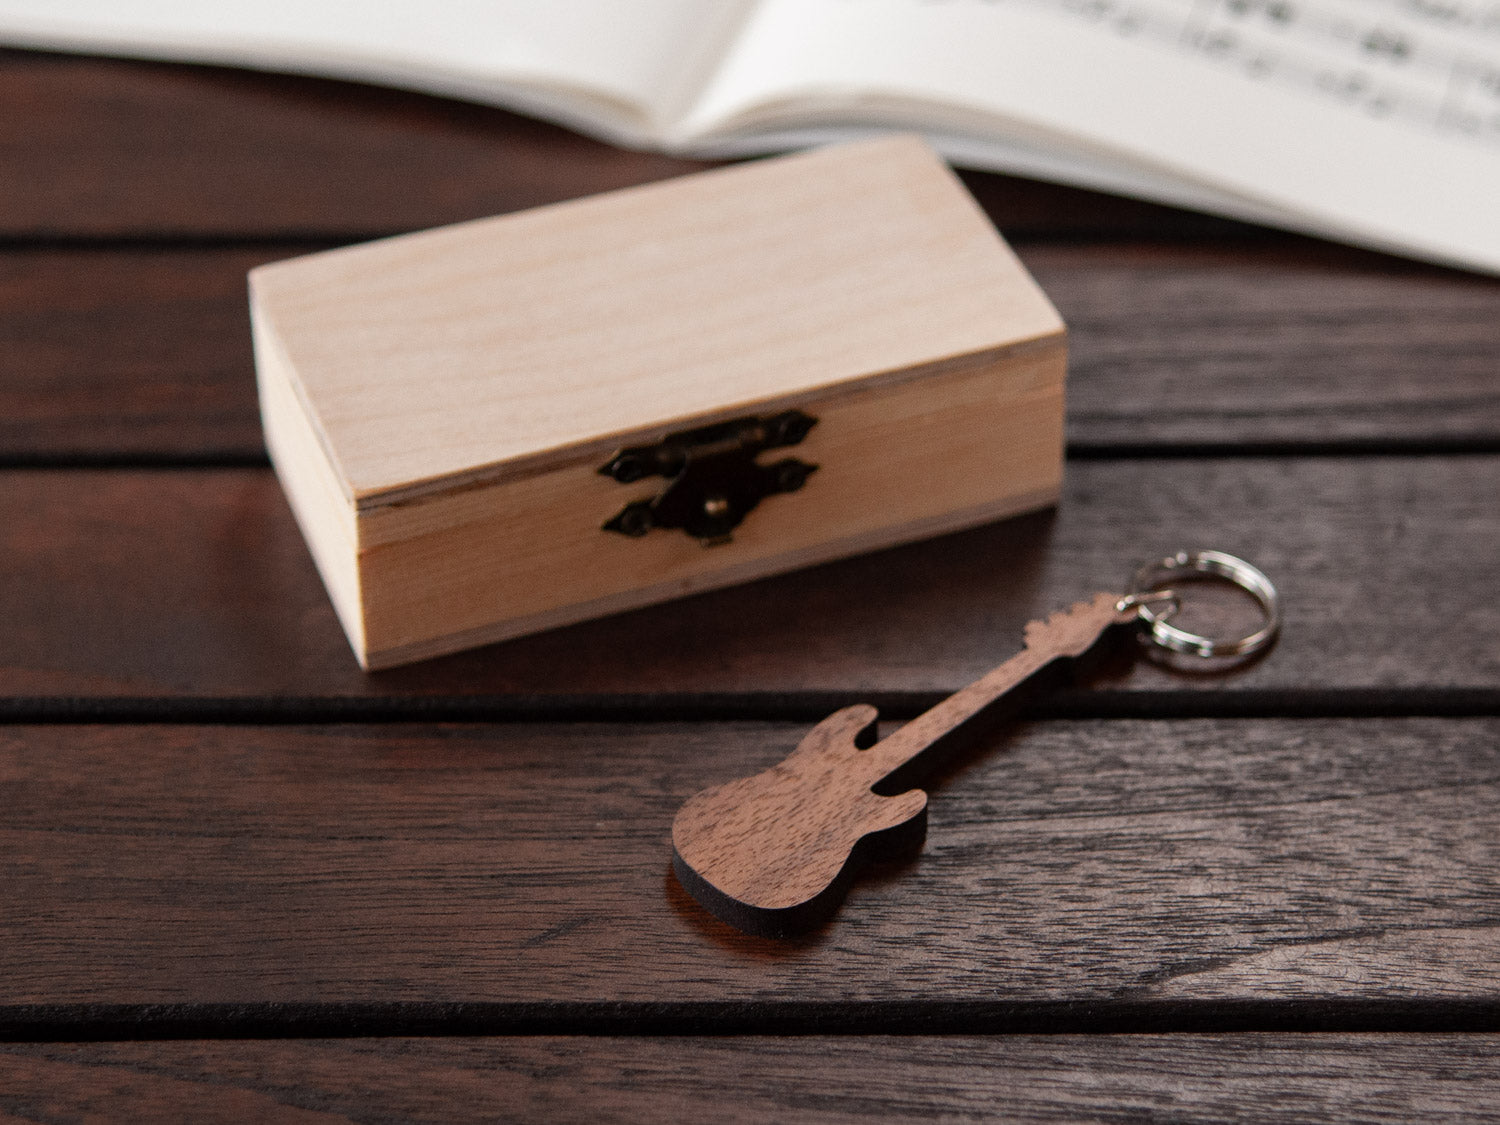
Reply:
x=510, y=344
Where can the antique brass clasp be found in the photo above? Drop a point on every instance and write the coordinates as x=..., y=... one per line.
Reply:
x=713, y=477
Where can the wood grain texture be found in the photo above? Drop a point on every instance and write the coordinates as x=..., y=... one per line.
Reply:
x=1231, y=1078
x=1287, y=345
x=127, y=353
x=162, y=584
x=118, y=352
x=132, y=149
x=1166, y=867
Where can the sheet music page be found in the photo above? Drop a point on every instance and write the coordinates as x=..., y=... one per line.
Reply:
x=1374, y=120
x=638, y=59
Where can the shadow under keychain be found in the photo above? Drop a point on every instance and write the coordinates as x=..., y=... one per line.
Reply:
x=774, y=853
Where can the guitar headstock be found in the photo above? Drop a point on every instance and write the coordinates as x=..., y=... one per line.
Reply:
x=1073, y=631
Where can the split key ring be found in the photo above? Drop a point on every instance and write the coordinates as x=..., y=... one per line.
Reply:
x=1149, y=588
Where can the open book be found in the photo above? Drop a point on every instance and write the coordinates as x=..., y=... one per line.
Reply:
x=1375, y=122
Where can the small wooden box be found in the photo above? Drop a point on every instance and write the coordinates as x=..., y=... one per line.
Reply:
x=478, y=427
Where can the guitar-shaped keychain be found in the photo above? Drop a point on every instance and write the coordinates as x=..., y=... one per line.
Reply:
x=773, y=854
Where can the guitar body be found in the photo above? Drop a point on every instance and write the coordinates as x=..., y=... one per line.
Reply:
x=826, y=814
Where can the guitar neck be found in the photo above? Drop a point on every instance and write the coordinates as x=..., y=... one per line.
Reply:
x=895, y=751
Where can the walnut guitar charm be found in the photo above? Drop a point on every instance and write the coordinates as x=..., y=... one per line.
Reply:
x=772, y=854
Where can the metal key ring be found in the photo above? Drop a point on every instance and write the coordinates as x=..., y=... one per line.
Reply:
x=1153, y=576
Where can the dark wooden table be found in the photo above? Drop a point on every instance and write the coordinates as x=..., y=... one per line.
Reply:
x=242, y=879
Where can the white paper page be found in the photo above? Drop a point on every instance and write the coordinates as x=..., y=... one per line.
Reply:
x=621, y=67
x=1372, y=120
x=994, y=153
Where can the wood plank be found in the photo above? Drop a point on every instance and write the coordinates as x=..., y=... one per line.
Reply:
x=1160, y=872
x=128, y=353
x=118, y=149
x=1232, y=1078
x=1215, y=346
x=147, y=353
x=165, y=584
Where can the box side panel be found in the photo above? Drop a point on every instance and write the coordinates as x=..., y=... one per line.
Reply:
x=322, y=511
x=896, y=463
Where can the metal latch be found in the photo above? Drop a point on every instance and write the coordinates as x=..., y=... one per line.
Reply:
x=713, y=478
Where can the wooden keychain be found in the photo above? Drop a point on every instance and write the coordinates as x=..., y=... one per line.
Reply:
x=774, y=853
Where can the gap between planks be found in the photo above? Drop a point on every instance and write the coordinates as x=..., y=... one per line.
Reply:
x=1075, y=704
x=97, y=1023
